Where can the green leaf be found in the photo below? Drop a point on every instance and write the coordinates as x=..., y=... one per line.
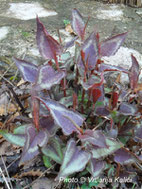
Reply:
x=46, y=161
x=98, y=104
x=54, y=150
x=107, y=90
x=25, y=34
x=112, y=144
x=111, y=171
x=115, y=117
x=18, y=140
x=94, y=183
x=66, y=22
x=65, y=56
x=13, y=78
x=21, y=129
x=75, y=160
x=124, y=139
x=84, y=186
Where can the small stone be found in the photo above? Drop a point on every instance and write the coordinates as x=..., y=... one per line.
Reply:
x=114, y=13
x=27, y=11
x=3, y=32
x=123, y=58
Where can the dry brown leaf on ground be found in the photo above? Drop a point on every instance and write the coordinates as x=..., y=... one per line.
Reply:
x=12, y=117
x=138, y=88
x=30, y=173
x=118, y=79
x=69, y=29
x=21, y=82
x=44, y=183
x=6, y=107
x=6, y=148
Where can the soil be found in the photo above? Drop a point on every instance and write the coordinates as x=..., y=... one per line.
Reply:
x=21, y=35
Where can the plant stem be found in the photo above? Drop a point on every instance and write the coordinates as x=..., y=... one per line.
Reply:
x=74, y=100
x=35, y=108
x=78, y=128
x=57, y=63
x=82, y=101
x=63, y=84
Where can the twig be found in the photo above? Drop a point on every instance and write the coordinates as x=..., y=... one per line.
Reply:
x=58, y=184
x=16, y=98
x=14, y=77
x=6, y=172
x=60, y=40
x=77, y=126
x=38, y=177
x=100, y=124
x=8, y=187
x=138, y=138
x=7, y=81
x=13, y=162
x=10, y=66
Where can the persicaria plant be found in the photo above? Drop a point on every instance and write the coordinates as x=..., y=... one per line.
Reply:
x=79, y=122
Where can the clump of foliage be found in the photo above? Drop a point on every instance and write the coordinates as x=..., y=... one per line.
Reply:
x=78, y=121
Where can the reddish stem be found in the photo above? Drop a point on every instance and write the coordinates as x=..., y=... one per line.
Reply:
x=36, y=113
x=77, y=75
x=118, y=169
x=89, y=98
x=63, y=84
x=35, y=108
x=57, y=63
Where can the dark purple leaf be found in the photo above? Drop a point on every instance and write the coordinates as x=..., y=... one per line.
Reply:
x=78, y=23
x=96, y=138
x=40, y=27
x=90, y=49
x=130, y=175
x=70, y=43
x=138, y=133
x=112, y=146
x=74, y=160
x=33, y=142
x=112, y=130
x=47, y=77
x=96, y=167
x=123, y=94
x=49, y=124
x=110, y=46
x=122, y=156
x=102, y=111
x=27, y=69
x=93, y=82
x=64, y=117
x=127, y=109
x=125, y=128
x=67, y=101
x=54, y=149
x=134, y=73
x=49, y=48
x=106, y=67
